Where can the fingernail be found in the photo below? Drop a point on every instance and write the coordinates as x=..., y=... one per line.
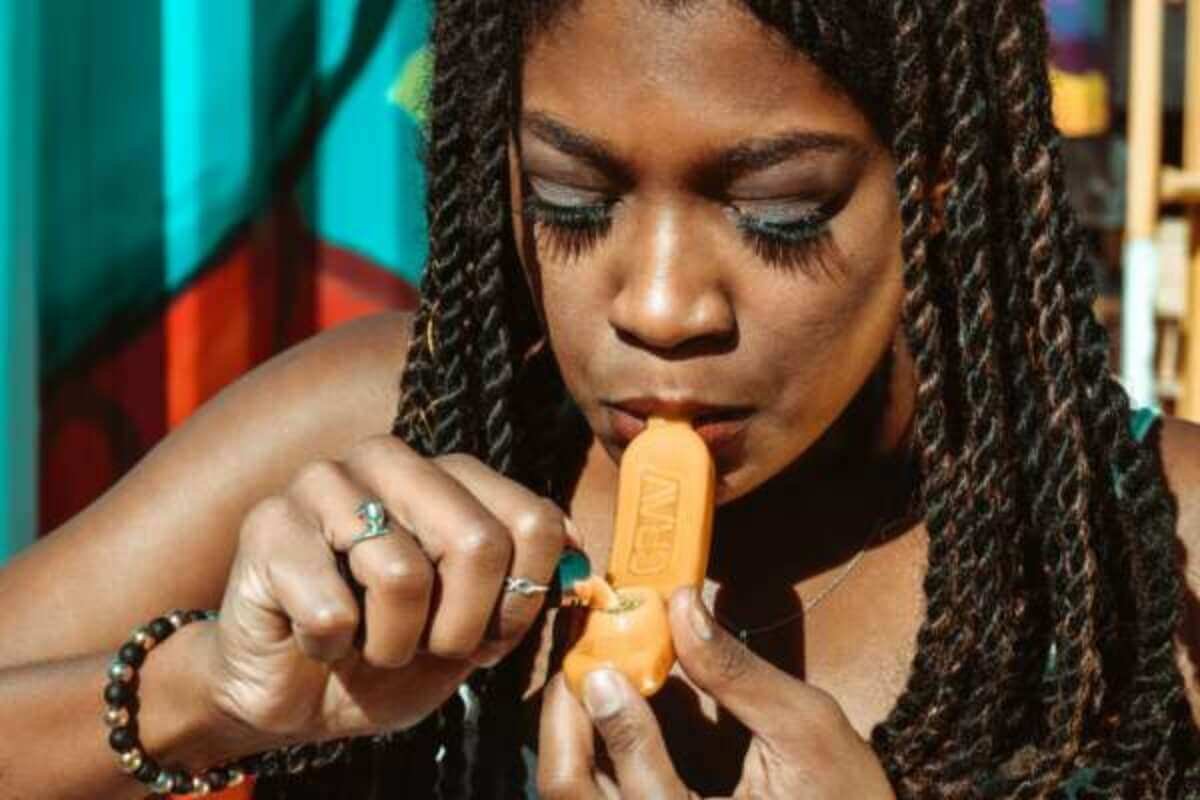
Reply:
x=488, y=656
x=602, y=695
x=698, y=615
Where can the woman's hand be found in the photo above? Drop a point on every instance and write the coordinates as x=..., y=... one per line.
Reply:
x=802, y=745
x=287, y=665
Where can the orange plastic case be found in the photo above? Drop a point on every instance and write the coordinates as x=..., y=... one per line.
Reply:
x=661, y=542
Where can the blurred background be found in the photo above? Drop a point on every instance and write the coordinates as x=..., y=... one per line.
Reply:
x=186, y=188
x=189, y=186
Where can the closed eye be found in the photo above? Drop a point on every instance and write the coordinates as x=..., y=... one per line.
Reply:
x=569, y=222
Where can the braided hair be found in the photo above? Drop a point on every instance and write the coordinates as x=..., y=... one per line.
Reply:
x=1052, y=591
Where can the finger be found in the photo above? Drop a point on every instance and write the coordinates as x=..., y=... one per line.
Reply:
x=398, y=580
x=396, y=575
x=565, y=746
x=774, y=705
x=470, y=549
x=538, y=530
x=299, y=578
x=631, y=736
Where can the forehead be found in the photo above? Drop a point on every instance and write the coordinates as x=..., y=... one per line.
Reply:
x=701, y=70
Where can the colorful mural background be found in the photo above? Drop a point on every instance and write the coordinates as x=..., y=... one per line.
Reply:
x=215, y=180
x=186, y=188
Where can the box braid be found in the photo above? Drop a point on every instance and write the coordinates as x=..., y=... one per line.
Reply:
x=985, y=479
x=1052, y=589
x=435, y=420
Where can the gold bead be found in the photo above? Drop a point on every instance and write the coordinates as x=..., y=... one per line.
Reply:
x=176, y=618
x=116, y=717
x=235, y=777
x=131, y=761
x=144, y=639
x=200, y=786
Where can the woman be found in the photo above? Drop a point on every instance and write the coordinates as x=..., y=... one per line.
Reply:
x=833, y=236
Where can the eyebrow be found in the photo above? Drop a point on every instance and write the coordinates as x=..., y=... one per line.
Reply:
x=570, y=141
x=751, y=155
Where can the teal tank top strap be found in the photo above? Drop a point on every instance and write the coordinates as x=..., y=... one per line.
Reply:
x=1141, y=421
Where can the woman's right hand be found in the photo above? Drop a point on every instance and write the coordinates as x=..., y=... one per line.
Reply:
x=287, y=667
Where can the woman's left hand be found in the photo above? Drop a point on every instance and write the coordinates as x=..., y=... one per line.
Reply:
x=802, y=745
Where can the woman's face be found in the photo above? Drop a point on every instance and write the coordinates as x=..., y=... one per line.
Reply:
x=710, y=226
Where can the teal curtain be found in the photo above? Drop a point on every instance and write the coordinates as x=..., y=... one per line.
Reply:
x=19, y=21
x=168, y=122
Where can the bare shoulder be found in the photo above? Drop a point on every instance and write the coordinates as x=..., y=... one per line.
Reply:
x=1181, y=461
x=164, y=536
x=1180, y=447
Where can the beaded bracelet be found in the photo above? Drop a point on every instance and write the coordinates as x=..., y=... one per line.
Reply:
x=120, y=696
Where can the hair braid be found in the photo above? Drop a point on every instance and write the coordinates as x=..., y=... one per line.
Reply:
x=988, y=489
x=1036, y=163
x=436, y=384
x=495, y=52
x=895, y=736
x=1009, y=646
x=982, y=494
x=1061, y=504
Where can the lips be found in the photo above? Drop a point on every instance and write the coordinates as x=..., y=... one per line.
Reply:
x=720, y=426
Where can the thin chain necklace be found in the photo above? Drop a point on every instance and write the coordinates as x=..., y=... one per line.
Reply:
x=744, y=633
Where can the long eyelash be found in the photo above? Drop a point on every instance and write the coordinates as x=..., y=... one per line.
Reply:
x=568, y=231
x=804, y=247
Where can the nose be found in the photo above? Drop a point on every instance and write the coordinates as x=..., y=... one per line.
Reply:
x=671, y=294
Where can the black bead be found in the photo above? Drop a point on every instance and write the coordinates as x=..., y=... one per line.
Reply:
x=268, y=764
x=195, y=615
x=131, y=654
x=148, y=771
x=253, y=764
x=182, y=781
x=118, y=694
x=160, y=628
x=123, y=739
x=216, y=778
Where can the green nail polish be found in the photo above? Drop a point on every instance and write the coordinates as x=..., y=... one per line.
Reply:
x=573, y=566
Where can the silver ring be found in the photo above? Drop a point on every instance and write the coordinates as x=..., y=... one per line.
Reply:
x=374, y=515
x=523, y=586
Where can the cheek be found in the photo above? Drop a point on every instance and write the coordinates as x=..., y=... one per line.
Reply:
x=576, y=319
x=833, y=331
